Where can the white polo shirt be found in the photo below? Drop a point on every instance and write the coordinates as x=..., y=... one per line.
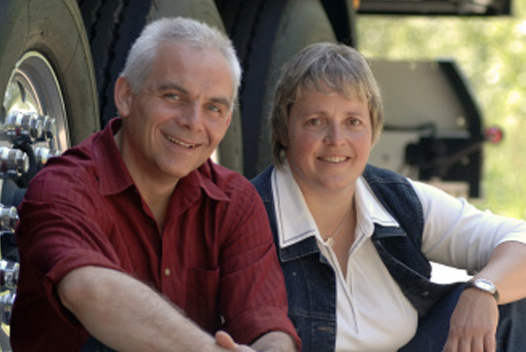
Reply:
x=372, y=312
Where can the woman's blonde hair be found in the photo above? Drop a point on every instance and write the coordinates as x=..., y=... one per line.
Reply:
x=323, y=67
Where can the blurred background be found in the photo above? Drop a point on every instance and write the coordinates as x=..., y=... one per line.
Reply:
x=491, y=53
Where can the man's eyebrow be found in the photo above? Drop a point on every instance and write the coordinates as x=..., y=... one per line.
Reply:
x=170, y=85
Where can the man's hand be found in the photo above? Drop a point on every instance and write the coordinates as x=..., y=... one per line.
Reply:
x=473, y=324
x=275, y=341
x=226, y=341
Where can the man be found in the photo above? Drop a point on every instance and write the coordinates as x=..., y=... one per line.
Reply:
x=135, y=237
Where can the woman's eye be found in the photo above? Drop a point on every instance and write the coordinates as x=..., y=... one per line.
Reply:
x=355, y=122
x=313, y=122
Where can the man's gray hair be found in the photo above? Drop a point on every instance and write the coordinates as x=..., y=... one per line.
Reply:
x=141, y=57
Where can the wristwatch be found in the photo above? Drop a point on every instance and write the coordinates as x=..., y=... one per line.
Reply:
x=484, y=285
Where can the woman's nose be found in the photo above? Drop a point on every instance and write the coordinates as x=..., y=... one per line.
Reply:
x=334, y=135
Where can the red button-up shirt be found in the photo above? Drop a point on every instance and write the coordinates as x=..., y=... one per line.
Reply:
x=214, y=258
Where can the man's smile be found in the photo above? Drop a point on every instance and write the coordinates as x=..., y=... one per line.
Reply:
x=180, y=142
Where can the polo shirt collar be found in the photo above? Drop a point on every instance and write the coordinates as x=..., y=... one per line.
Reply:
x=370, y=209
x=295, y=222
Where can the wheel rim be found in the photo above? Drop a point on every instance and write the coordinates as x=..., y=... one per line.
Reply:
x=35, y=89
x=34, y=128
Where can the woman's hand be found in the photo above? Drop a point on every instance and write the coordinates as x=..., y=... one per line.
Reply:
x=473, y=324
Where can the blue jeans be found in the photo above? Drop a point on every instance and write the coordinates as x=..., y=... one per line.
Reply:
x=433, y=329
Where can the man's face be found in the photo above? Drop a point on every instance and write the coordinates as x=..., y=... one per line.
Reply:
x=177, y=119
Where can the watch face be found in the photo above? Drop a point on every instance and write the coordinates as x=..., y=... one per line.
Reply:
x=487, y=286
x=484, y=285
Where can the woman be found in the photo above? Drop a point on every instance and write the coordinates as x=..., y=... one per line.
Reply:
x=355, y=241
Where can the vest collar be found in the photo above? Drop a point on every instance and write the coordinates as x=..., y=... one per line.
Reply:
x=297, y=232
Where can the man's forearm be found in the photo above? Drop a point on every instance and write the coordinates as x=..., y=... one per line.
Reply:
x=126, y=315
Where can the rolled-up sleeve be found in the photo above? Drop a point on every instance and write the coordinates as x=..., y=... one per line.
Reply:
x=56, y=235
x=458, y=234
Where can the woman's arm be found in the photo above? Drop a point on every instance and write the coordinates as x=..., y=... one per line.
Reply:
x=474, y=321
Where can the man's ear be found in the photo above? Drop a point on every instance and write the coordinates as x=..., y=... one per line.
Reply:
x=229, y=118
x=123, y=96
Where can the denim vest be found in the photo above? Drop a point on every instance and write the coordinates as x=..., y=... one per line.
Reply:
x=311, y=281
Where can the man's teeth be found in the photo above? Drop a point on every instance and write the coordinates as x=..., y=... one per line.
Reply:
x=334, y=159
x=179, y=142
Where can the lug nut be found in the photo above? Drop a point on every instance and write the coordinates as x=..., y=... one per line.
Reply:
x=26, y=125
x=7, y=299
x=49, y=126
x=8, y=218
x=9, y=275
x=13, y=162
x=42, y=156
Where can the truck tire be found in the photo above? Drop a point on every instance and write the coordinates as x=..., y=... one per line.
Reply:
x=266, y=34
x=113, y=26
x=46, y=83
x=46, y=69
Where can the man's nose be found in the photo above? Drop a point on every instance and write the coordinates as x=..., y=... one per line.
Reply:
x=191, y=117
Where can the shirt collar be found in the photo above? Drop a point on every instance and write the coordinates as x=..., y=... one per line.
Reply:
x=114, y=176
x=295, y=222
x=204, y=178
x=370, y=210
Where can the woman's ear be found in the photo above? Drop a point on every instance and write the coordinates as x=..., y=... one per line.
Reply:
x=123, y=96
x=284, y=142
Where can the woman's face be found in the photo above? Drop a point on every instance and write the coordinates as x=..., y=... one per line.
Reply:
x=329, y=141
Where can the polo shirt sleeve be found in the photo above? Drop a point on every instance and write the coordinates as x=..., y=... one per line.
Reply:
x=458, y=234
x=253, y=299
x=57, y=233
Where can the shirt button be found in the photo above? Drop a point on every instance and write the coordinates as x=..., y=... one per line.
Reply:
x=167, y=272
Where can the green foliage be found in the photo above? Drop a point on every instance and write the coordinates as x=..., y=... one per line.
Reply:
x=491, y=53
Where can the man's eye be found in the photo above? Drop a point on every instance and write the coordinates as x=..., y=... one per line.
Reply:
x=214, y=108
x=172, y=96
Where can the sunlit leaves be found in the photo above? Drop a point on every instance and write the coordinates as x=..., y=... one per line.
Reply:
x=492, y=55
